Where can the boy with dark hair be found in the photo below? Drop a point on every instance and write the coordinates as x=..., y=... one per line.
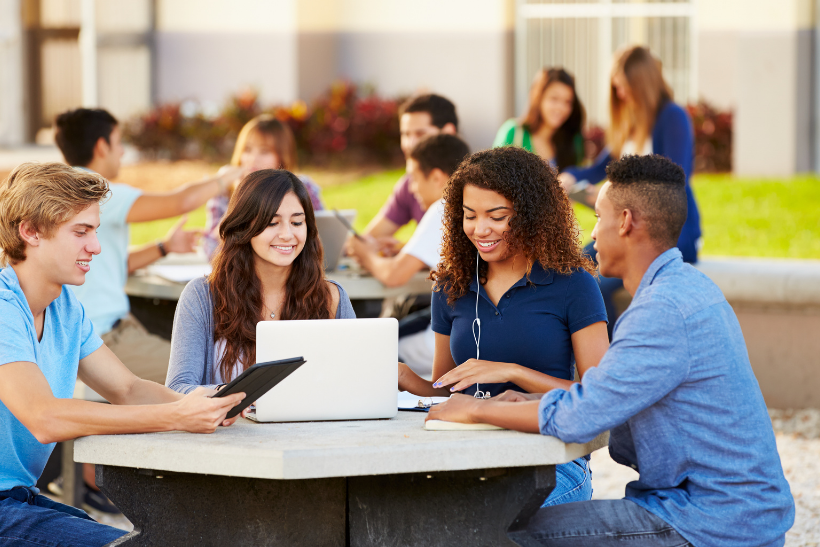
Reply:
x=91, y=139
x=429, y=165
x=420, y=117
x=675, y=390
x=49, y=215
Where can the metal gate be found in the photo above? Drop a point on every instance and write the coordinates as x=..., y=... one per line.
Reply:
x=582, y=36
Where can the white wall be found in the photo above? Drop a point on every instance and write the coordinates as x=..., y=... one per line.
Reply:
x=755, y=57
x=12, y=75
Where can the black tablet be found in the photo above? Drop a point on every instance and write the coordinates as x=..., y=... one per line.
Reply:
x=258, y=380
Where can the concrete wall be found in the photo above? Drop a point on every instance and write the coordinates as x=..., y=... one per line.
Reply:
x=756, y=58
x=294, y=49
x=12, y=75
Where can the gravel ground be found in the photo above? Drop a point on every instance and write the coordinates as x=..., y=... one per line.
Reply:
x=798, y=442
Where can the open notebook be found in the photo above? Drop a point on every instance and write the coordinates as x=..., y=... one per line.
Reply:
x=441, y=425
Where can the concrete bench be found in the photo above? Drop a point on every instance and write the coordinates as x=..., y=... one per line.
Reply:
x=777, y=302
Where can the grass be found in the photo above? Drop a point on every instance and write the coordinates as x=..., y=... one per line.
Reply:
x=739, y=217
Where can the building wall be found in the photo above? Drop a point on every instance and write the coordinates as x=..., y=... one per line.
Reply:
x=210, y=49
x=294, y=49
x=755, y=57
x=12, y=75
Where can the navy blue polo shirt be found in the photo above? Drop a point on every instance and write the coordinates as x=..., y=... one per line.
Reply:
x=531, y=326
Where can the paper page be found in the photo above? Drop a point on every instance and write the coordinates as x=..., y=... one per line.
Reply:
x=441, y=425
x=407, y=400
x=180, y=273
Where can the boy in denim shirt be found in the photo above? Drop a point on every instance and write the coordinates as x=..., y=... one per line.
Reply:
x=675, y=390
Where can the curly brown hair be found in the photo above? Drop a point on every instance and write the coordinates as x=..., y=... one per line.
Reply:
x=543, y=224
x=236, y=288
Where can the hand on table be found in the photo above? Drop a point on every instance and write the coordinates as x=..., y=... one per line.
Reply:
x=458, y=408
x=199, y=412
x=475, y=371
x=387, y=245
x=182, y=241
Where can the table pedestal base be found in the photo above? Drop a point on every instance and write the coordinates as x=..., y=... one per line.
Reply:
x=476, y=507
x=187, y=509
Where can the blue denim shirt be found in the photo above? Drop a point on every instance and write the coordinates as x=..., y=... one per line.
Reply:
x=677, y=392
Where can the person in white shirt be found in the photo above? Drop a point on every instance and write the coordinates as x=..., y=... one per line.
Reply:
x=429, y=164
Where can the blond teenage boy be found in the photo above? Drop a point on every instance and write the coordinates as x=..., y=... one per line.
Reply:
x=49, y=215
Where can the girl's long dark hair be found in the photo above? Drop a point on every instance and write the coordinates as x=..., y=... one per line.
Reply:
x=565, y=137
x=235, y=286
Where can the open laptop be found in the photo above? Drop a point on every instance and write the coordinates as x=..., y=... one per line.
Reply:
x=333, y=234
x=350, y=370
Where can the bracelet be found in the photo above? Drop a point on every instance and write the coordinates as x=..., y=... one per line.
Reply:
x=162, y=250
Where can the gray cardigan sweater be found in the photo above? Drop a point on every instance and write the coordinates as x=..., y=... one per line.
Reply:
x=192, y=341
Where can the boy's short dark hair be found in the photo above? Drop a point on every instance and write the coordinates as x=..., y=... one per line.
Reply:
x=654, y=189
x=442, y=111
x=442, y=151
x=77, y=132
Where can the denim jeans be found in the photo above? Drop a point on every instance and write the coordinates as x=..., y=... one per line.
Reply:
x=602, y=523
x=573, y=482
x=30, y=519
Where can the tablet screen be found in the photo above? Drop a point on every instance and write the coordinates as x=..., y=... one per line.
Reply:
x=258, y=380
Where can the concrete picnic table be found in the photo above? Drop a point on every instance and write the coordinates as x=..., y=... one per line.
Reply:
x=357, y=483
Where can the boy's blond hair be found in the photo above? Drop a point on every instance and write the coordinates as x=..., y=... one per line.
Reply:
x=46, y=195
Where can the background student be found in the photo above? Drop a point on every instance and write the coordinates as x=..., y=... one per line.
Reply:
x=643, y=120
x=419, y=117
x=268, y=268
x=515, y=306
x=91, y=138
x=676, y=391
x=551, y=127
x=49, y=215
x=429, y=165
x=263, y=143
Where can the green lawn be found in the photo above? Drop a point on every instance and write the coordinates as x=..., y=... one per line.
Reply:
x=740, y=217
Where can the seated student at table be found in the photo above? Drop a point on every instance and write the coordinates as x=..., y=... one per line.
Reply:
x=268, y=267
x=49, y=215
x=514, y=305
x=91, y=139
x=552, y=124
x=263, y=143
x=429, y=164
x=420, y=117
x=675, y=390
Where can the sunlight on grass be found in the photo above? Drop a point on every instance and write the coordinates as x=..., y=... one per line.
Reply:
x=740, y=217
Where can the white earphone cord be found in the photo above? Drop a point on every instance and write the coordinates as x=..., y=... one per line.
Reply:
x=477, y=321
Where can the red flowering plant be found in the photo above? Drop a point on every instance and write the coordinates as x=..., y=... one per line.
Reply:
x=344, y=126
x=713, y=138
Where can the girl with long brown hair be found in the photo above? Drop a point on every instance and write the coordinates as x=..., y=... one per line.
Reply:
x=267, y=268
x=263, y=143
x=551, y=127
x=643, y=120
x=515, y=306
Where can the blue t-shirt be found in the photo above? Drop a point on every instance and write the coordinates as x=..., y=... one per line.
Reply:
x=68, y=337
x=531, y=326
x=103, y=293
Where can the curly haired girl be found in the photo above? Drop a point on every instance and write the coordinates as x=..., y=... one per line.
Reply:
x=515, y=305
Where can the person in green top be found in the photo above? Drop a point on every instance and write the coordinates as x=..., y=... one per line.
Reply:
x=551, y=127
